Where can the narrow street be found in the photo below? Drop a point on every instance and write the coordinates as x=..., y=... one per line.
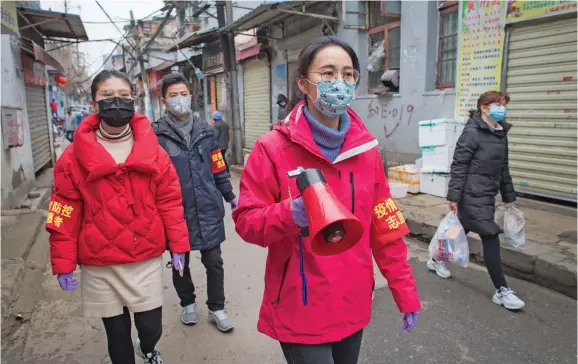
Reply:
x=458, y=323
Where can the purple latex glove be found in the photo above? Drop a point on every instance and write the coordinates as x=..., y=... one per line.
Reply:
x=178, y=262
x=67, y=282
x=234, y=203
x=299, y=213
x=409, y=320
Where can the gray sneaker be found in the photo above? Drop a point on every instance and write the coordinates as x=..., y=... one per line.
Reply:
x=224, y=323
x=189, y=314
x=149, y=358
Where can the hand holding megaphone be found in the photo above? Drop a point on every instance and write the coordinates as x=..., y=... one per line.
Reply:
x=331, y=227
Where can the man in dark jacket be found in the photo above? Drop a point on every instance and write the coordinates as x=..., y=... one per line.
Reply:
x=222, y=135
x=191, y=144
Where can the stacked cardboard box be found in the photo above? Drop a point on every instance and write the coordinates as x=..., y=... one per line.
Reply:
x=437, y=141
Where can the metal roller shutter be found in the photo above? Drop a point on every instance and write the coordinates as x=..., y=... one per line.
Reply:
x=256, y=100
x=541, y=81
x=219, y=83
x=38, y=122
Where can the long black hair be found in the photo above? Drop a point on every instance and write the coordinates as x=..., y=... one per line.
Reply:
x=105, y=75
x=307, y=56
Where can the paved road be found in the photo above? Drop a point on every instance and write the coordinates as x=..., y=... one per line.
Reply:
x=459, y=323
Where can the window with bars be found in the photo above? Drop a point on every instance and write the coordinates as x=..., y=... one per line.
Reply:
x=447, y=44
x=384, y=40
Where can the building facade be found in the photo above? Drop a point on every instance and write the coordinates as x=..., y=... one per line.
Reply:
x=424, y=60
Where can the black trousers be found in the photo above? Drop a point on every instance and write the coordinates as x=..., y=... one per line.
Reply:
x=223, y=152
x=149, y=325
x=345, y=351
x=493, y=259
x=213, y=261
x=69, y=135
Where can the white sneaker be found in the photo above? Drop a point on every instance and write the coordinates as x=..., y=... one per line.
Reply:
x=149, y=358
x=441, y=268
x=506, y=297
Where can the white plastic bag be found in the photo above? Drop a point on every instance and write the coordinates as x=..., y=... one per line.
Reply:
x=450, y=243
x=511, y=220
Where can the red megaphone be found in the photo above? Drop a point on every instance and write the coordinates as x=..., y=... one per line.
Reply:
x=332, y=228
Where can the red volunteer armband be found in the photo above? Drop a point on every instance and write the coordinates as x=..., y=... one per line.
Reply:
x=218, y=163
x=63, y=217
x=387, y=216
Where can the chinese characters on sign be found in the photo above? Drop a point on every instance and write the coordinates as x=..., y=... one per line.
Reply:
x=57, y=213
x=388, y=211
x=481, y=52
x=525, y=10
x=218, y=162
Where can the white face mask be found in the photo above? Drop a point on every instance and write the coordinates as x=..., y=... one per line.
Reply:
x=179, y=105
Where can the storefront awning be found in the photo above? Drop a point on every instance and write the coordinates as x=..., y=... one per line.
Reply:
x=249, y=52
x=196, y=38
x=41, y=55
x=274, y=11
x=52, y=24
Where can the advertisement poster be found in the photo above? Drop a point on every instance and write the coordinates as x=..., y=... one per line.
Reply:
x=9, y=17
x=525, y=10
x=481, y=52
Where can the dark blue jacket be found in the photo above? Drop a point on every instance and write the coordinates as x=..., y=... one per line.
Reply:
x=202, y=191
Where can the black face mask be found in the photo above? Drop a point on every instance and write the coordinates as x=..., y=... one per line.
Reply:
x=115, y=111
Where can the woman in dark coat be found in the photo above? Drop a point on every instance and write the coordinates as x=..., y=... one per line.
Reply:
x=479, y=171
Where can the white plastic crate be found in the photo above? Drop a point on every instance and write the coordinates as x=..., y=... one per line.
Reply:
x=398, y=190
x=438, y=157
x=407, y=174
x=434, y=183
x=439, y=132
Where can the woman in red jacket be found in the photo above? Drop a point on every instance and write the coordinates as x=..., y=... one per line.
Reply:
x=116, y=201
x=318, y=306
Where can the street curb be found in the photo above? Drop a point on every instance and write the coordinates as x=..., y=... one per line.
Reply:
x=517, y=263
x=11, y=291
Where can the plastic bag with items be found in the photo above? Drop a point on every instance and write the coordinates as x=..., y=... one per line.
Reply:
x=450, y=243
x=511, y=220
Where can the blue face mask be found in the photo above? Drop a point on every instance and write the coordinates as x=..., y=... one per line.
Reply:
x=333, y=99
x=497, y=113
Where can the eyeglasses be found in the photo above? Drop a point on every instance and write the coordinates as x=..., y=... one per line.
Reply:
x=109, y=95
x=331, y=76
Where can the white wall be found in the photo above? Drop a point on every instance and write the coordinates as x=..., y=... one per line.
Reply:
x=17, y=168
x=398, y=114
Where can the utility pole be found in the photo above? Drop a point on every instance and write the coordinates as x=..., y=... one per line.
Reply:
x=181, y=11
x=149, y=112
x=225, y=8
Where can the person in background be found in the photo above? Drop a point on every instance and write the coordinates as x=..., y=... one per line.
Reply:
x=222, y=135
x=195, y=153
x=69, y=125
x=318, y=306
x=479, y=171
x=116, y=201
x=85, y=113
x=54, y=108
x=282, y=103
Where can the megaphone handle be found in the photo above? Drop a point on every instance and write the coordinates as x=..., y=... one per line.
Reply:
x=302, y=272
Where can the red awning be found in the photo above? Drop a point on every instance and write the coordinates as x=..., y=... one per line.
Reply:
x=249, y=52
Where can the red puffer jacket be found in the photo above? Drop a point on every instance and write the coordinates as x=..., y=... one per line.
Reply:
x=103, y=213
x=339, y=287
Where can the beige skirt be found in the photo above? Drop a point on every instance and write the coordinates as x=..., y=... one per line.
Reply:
x=106, y=290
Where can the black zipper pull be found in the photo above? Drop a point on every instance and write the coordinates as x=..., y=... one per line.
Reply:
x=352, y=183
x=339, y=173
